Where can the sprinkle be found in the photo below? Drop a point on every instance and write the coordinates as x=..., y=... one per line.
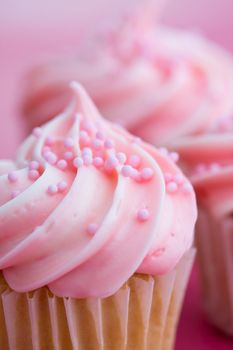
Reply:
x=99, y=135
x=12, y=177
x=168, y=177
x=77, y=162
x=37, y=132
x=108, y=144
x=96, y=144
x=143, y=215
x=62, y=164
x=126, y=170
x=171, y=187
x=187, y=187
x=84, y=138
x=135, y=175
x=98, y=162
x=52, y=189
x=68, y=155
x=33, y=175
x=34, y=165
x=50, y=157
x=134, y=161
x=87, y=125
x=87, y=159
x=92, y=229
x=174, y=156
x=49, y=141
x=15, y=193
x=111, y=163
x=68, y=142
x=146, y=174
x=86, y=151
x=62, y=186
x=121, y=157
x=178, y=178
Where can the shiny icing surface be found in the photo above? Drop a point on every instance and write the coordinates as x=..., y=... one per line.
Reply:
x=85, y=205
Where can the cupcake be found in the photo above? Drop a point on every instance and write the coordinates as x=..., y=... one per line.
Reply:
x=167, y=83
x=96, y=240
x=208, y=160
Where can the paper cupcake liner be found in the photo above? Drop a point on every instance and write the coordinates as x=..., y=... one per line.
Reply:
x=215, y=256
x=143, y=314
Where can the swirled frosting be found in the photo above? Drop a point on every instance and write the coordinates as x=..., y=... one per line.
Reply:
x=167, y=83
x=208, y=160
x=85, y=205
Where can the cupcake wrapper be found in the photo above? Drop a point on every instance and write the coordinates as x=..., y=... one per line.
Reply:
x=215, y=256
x=143, y=314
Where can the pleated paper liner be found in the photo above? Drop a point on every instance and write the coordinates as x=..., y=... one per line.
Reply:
x=143, y=314
x=215, y=256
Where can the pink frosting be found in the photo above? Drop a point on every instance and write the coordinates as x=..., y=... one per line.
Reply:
x=167, y=83
x=85, y=205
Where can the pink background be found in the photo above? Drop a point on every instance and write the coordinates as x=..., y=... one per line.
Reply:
x=32, y=31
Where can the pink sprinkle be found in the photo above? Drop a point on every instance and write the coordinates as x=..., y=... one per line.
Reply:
x=168, y=177
x=126, y=171
x=15, y=193
x=135, y=175
x=96, y=144
x=143, y=215
x=68, y=155
x=171, y=187
x=77, y=162
x=87, y=125
x=37, y=132
x=12, y=177
x=179, y=179
x=34, y=165
x=108, y=144
x=135, y=161
x=62, y=186
x=62, y=164
x=87, y=159
x=33, y=175
x=49, y=141
x=146, y=174
x=84, y=138
x=121, y=157
x=50, y=157
x=174, y=156
x=187, y=187
x=52, y=189
x=86, y=151
x=98, y=162
x=92, y=229
x=69, y=142
x=111, y=163
x=100, y=135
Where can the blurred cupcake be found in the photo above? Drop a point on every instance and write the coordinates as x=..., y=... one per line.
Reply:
x=167, y=83
x=96, y=240
x=208, y=160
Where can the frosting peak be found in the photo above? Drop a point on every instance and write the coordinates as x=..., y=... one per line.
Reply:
x=85, y=205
